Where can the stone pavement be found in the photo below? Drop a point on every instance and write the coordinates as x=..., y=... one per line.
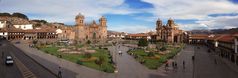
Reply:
x=205, y=66
x=127, y=66
x=185, y=55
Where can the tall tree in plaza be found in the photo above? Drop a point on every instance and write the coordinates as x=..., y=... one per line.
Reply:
x=143, y=42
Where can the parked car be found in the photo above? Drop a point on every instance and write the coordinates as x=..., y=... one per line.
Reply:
x=9, y=60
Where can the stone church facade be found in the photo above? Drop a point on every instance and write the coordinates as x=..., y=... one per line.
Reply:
x=92, y=31
x=169, y=33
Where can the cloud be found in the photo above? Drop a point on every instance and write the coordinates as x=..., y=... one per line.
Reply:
x=226, y=22
x=65, y=10
x=196, y=9
x=190, y=9
x=222, y=22
x=131, y=28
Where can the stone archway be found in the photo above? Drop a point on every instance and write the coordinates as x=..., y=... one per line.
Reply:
x=175, y=39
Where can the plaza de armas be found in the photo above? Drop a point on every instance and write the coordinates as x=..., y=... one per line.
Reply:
x=90, y=44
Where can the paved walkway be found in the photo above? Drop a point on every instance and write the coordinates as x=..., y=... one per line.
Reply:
x=185, y=55
x=127, y=66
x=205, y=66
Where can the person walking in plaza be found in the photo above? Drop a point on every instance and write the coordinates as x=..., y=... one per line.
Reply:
x=183, y=64
x=59, y=73
x=166, y=66
x=215, y=61
x=193, y=58
x=175, y=66
x=2, y=54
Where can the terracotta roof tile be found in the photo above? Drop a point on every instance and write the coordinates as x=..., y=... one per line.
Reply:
x=226, y=38
x=137, y=35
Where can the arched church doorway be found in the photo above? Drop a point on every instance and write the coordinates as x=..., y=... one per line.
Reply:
x=175, y=39
x=94, y=35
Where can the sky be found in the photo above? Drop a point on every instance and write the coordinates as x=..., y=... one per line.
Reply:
x=132, y=16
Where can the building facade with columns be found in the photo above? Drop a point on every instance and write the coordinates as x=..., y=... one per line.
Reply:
x=90, y=31
x=169, y=33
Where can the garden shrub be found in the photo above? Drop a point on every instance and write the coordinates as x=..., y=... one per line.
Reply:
x=79, y=62
x=100, y=60
x=151, y=54
x=163, y=48
x=87, y=55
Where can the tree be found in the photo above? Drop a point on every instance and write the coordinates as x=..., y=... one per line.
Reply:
x=88, y=42
x=151, y=54
x=5, y=14
x=34, y=42
x=87, y=55
x=20, y=15
x=143, y=42
x=100, y=60
x=163, y=48
x=40, y=21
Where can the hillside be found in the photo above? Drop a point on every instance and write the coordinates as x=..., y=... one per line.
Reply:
x=215, y=31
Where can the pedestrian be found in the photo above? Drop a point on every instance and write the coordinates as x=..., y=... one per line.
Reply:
x=3, y=54
x=183, y=64
x=59, y=73
x=193, y=58
x=175, y=66
x=215, y=61
x=166, y=66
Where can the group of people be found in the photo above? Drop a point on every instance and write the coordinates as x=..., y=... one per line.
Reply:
x=174, y=65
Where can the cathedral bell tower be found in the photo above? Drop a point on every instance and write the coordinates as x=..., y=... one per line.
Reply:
x=103, y=21
x=79, y=19
x=159, y=24
x=170, y=23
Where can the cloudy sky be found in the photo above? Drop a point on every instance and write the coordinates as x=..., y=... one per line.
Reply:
x=132, y=15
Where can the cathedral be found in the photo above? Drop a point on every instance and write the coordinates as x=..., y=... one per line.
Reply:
x=169, y=32
x=91, y=31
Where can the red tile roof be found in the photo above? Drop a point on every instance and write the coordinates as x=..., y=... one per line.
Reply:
x=198, y=36
x=226, y=38
x=138, y=35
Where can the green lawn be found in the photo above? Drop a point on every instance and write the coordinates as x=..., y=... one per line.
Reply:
x=106, y=66
x=153, y=63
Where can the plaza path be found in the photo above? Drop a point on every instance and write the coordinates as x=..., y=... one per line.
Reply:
x=205, y=66
x=128, y=67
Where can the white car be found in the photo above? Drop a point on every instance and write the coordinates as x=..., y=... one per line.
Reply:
x=9, y=60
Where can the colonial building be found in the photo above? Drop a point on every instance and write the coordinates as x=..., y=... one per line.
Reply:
x=138, y=36
x=92, y=31
x=224, y=45
x=11, y=32
x=169, y=32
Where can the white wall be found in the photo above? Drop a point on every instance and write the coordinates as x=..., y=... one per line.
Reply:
x=2, y=24
x=24, y=27
x=3, y=33
x=58, y=31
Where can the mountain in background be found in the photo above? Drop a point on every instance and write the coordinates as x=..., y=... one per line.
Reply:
x=215, y=31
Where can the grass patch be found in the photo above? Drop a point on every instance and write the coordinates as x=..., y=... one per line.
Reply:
x=155, y=60
x=106, y=65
